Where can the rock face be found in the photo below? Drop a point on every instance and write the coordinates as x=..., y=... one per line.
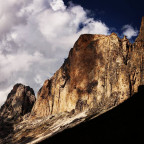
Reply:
x=19, y=102
x=17, y=108
x=141, y=34
x=100, y=73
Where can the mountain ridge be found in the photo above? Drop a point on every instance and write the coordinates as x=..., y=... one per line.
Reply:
x=100, y=73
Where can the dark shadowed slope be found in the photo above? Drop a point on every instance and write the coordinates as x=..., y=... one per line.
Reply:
x=123, y=124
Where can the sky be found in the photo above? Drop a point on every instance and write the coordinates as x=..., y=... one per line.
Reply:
x=115, y=13
x=36, y=35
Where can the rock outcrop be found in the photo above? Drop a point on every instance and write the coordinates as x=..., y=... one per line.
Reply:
x=19, y=103
x=140, y=37
x=17, y=108
x=100, y=73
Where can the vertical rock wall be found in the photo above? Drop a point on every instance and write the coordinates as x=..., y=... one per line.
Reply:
x=100, y=71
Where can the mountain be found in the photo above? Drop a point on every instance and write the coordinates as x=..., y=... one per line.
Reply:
x=17, y=106
x=100, y=73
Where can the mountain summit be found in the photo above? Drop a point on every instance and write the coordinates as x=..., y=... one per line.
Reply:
x=100, y=73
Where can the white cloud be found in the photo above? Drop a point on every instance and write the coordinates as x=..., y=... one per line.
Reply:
x=57, y=5
x=129, y=31
x=36, y=36
x=9, y=16
x=3, y=94
x=38, y=79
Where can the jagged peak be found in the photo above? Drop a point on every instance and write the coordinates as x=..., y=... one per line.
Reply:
x=125, y=37
x=141, y=33
x=18, y=85
x=114, y=34
x=142, y=26
x=19, y=102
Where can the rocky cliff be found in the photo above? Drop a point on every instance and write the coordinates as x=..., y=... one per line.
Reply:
x=19, y=103
x=100, y=73
x=95, y=74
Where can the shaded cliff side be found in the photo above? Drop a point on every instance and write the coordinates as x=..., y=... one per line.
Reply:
x=141, y=34
x=17, y=107
x=100, y=73
x=19, y=103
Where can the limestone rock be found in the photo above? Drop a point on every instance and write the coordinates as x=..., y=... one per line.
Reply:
x=19, y=102
x=96, y=74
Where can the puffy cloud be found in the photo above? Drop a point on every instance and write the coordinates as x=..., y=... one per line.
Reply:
x=129, y=31
x=57, y=5
x=9, y=15
x=3, y=94
x=16, y=63
x=36, y=36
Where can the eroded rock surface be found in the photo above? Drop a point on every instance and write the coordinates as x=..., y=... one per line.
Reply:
x=141, y=34
x=97, y=73
x=19, y=102
x=100, y=73
x=17, y=106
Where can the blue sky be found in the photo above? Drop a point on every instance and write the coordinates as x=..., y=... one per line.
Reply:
x=115, y=13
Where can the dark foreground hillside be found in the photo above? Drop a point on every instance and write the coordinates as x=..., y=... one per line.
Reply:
x=122, y=125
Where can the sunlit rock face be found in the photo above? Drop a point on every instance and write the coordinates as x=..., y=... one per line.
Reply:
x=95, y=74
x=100, y=73
x=19, y=103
